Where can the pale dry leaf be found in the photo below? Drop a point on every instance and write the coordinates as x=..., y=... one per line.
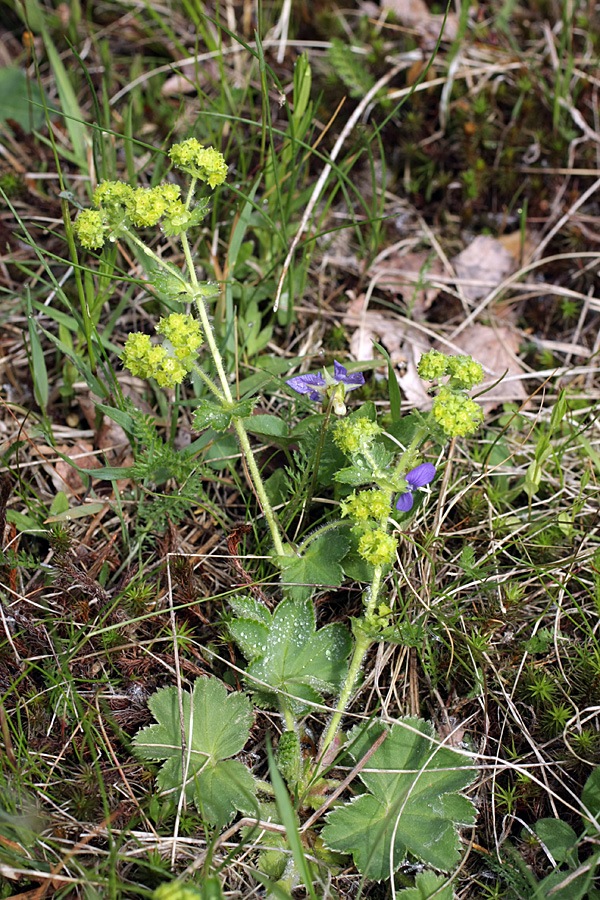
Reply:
x=519, y=245
x=403, y=343
x=409, y=275
x=486, y=263
x=109, y=437
x=451, y=733
x=185, y=81
x=497, y=349
x=65, y=477
x=415, y=14
x=181, y=83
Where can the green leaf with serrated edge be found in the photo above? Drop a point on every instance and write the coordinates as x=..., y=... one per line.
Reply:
x=558, y=837
x=211, y=415
x=250, y=636
x=590, y=798
x=218, y=792
x=215, y=415
x=298, y=659
x=168, y=283
x=428, y=884
x=243, y=408
x=354, y=476
x=217, y=726
x=250, y=608
x=381, y=457
x=319, y=565
x=413, y=785
x=354, y=566
x=205, y=289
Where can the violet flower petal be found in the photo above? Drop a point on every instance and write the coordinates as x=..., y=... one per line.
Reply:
x=420, y=476
x=306, y=384
x=404, y=502
x=340, y=373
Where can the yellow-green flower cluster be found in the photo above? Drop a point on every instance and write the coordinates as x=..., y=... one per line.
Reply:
x=204, y=163
x=168, y=364
x=113, y=196
x=366, y=505
x=91, y=227
x=433, y=365
x=143, y=207
x=464, y=371
x=377, y=547
x=354, y=435
x=183, y=332
x=147, y=206
x=456, y=413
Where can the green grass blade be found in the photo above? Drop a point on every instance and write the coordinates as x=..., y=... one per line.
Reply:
x=73, y=116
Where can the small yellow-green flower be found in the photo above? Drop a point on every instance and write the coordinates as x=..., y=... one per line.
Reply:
x=366, y=505
x=113, y=196
x=456, y=413
x=177, y=218
x=465, y=371
x=433, y=365
x=377, y=547
x=204, y=163
x=91, y=227
x=183, y=332
x=146, y=206
x=353, y=435
x=171, y=362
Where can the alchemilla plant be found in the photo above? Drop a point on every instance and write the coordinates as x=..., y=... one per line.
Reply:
x=409, y=804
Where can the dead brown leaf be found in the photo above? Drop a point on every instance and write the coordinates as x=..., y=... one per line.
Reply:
x=486, y=262
x=65, y=477
x=404, y=343
x=519, y=245
x=415, y=14
x=408, y=275
x=496, y=348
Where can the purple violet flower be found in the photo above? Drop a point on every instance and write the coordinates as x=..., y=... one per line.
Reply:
x=308, y=384
x=315, y=385
x=416, y=478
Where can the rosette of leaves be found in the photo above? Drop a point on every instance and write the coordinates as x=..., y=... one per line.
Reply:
x=411, y=803
x=286, y=651
x=217, y=725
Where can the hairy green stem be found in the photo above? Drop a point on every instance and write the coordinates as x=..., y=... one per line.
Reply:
x=209, y=383
x=238, y=423
x=363, y=642
x=290, y=722
x=206, y=323
x=259, y=485
x=405, y=460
